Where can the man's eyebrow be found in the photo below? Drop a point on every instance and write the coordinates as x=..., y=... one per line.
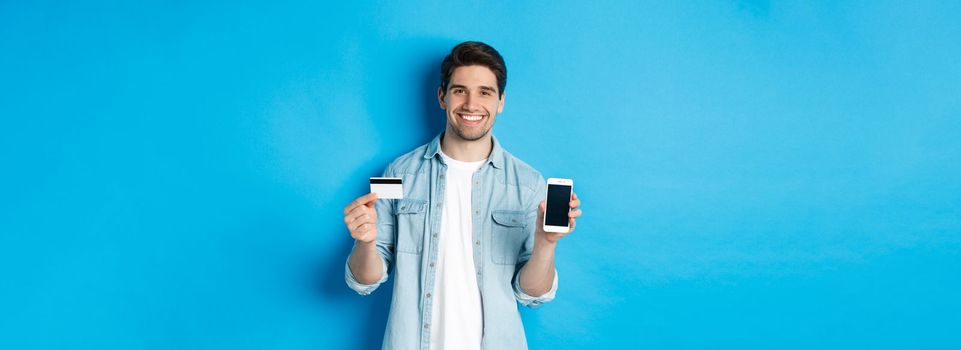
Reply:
x=483, y=87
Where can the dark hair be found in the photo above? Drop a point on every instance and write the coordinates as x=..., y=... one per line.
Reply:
x=471, y=53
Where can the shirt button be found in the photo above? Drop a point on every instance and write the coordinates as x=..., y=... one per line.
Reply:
x=428, y=295
x=477, y=243
x=426, y=326
x=402, y=208
x=477, y=182
x=431, y=265
x=477, y=212
x=441, y=176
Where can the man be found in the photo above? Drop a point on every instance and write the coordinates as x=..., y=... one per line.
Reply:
x=467, y=239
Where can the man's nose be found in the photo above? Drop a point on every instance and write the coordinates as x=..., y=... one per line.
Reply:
x=469, y=102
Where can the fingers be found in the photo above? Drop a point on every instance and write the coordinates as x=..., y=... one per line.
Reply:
x=354, y=224
x=575, y=202
x=365, y=200
x=357, y=213
x=361, y=218
x=576, y=212
x=361, y=228
x=361, y=212
x=370, y=203
x=364, y=233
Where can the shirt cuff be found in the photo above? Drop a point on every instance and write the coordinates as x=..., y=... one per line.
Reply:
x=533, y=302
x=360, y=288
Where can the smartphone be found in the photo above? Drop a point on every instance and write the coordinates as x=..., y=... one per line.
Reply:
x=558, y=205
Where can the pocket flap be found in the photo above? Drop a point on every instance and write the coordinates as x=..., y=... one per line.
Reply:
x=408, y=206
x=513, y=218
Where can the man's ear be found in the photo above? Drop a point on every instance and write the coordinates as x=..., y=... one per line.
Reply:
x=440, y=98
x=500, y=105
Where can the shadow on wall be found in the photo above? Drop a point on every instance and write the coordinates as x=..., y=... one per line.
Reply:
x=435, y=119
x=329, y=281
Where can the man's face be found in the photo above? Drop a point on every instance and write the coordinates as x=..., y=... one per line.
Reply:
x=472, y=102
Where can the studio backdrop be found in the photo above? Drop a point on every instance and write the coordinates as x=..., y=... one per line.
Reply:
x=754, y=174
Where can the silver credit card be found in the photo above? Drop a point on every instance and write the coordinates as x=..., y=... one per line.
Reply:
x=387, y=187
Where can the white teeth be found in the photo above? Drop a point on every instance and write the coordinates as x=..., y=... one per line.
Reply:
x=471, y=118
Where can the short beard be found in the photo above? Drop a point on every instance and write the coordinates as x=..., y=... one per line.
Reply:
x=466, y=138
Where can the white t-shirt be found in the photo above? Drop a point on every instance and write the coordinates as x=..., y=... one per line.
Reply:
x=457, y=321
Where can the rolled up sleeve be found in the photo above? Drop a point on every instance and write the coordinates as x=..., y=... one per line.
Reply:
x=532, y=301
x=360, y=288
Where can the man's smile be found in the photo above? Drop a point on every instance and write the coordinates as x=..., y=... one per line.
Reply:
x=471, y=118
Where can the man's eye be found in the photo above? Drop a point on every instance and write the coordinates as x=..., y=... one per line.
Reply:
x=486, y=93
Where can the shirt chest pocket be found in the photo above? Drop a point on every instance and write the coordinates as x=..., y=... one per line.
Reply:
x=411, y=219
x=508, y=236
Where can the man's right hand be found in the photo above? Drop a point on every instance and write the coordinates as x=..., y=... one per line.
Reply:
x=361, y=218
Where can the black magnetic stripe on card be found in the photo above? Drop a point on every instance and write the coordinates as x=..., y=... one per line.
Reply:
x=386, y=181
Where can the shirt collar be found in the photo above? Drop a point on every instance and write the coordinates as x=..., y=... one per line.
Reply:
x=496, y=157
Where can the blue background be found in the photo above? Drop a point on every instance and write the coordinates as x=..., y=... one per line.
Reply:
x=754, y=174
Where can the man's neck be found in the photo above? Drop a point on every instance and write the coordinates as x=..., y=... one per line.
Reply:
x=466, y=151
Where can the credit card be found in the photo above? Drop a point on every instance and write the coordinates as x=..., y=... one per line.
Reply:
x=387, y=187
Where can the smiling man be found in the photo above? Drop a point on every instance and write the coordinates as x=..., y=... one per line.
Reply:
x=466, y=243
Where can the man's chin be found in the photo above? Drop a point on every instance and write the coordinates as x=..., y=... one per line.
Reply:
x=470, y=136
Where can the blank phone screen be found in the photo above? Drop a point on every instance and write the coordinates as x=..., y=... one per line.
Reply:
x=558, y=205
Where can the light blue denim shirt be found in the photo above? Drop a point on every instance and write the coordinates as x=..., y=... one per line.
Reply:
x=505, y=195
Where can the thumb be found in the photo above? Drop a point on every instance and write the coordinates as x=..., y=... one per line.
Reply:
x=370, y=203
